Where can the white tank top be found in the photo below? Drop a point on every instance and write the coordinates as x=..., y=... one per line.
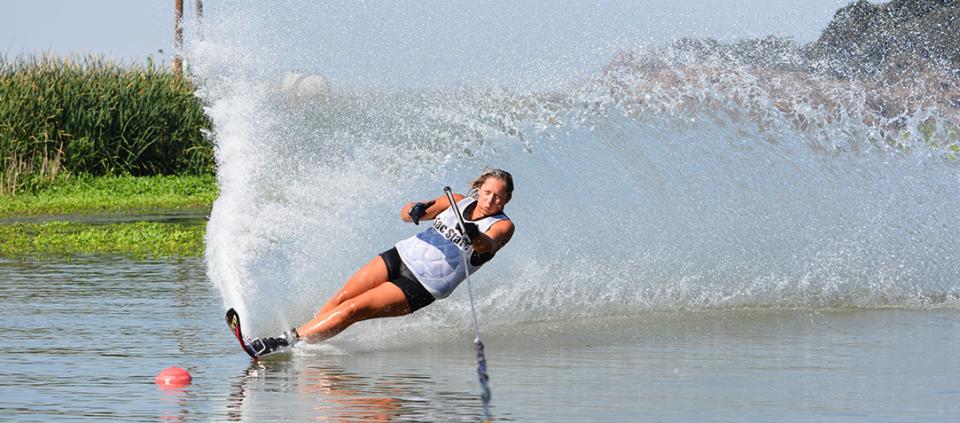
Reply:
x=435, y=255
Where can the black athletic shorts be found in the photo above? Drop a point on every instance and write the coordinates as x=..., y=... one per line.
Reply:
x=417, y=296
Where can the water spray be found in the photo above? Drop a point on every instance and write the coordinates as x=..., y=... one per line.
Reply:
x=477, y=343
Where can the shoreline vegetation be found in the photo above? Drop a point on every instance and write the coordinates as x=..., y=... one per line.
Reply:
x=84, y=136
x=67, y=116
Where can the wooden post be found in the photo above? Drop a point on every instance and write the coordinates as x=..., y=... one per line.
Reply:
x=178, y=37
x=198, y=10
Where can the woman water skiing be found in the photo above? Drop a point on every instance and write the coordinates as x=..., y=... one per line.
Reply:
x=419, y=269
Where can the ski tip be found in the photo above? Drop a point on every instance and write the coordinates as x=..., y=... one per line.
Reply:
x=233, y=319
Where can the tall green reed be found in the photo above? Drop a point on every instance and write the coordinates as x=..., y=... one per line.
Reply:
x=84, y=115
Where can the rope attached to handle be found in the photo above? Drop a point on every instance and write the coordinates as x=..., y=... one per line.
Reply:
x=477, y=343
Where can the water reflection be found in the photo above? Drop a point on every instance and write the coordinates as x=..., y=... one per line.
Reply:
x=345, y=396
x=174, y=404
x=305, y=388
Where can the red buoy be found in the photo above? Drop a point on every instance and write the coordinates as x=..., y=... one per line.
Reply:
x=173, y=377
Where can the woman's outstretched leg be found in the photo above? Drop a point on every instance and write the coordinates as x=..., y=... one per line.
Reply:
x=386, y=300
x=370, y=276
x=365, y=295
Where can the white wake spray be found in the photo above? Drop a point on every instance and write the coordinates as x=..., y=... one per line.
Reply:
x=652, y=185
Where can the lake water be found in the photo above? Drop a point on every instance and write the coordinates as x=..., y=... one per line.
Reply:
x=83, y=340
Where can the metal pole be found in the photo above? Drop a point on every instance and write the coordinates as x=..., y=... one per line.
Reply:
x=178, y=37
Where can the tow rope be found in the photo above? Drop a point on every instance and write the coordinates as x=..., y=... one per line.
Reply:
x=477, y=343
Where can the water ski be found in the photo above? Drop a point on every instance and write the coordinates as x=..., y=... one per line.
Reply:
x=233, y=321
x=260, y=347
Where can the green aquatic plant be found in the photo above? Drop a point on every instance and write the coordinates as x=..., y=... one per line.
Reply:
x=87, y=194
x=139, y=239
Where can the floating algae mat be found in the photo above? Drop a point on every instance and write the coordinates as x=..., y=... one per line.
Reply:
x=109, y=194
x=137, y=239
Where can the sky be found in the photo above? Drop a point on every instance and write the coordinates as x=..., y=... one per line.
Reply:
x=136, y=28
x=120, y=29
x=403, y=40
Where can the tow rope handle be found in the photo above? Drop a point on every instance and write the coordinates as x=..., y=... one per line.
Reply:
x=456, y=211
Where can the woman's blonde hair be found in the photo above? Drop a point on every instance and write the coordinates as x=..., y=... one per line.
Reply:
x=492, y=173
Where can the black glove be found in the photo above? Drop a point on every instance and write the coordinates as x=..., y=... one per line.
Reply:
x=471, y=231
x=417, y=211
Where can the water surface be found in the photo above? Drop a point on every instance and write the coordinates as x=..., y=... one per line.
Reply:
x=83, y=340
